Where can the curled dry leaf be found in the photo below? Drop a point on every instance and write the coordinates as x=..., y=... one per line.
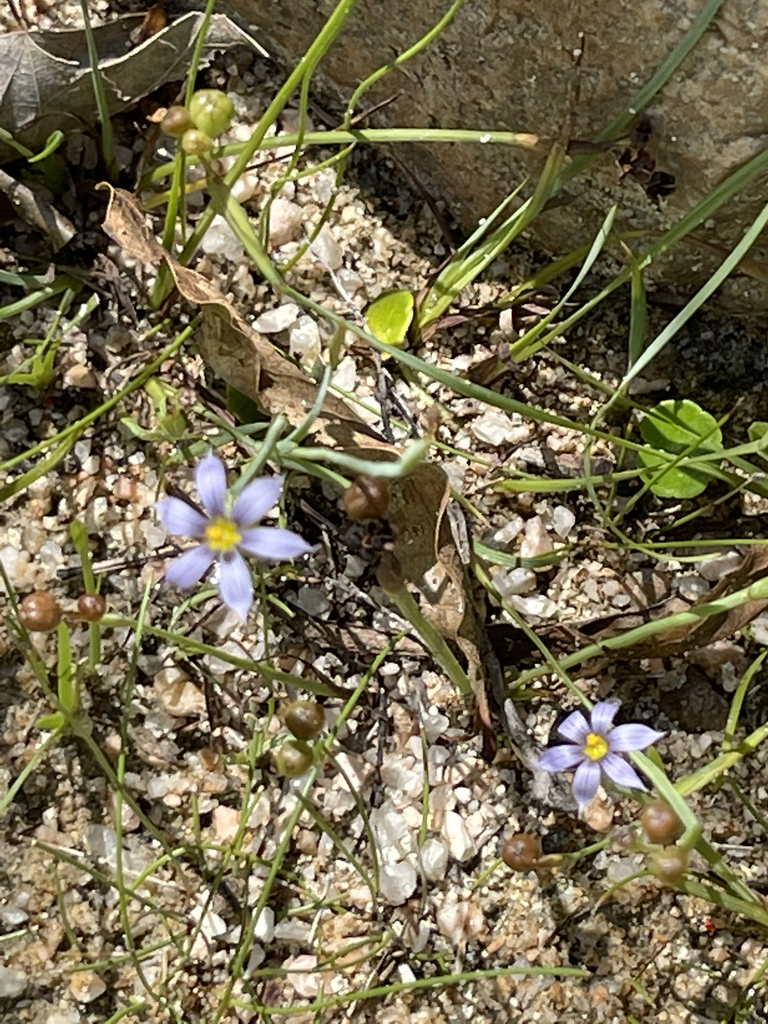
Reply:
x=46, y=83
x=237, y=353
x=247, y=361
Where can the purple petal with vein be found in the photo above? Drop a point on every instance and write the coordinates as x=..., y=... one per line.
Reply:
x=603, y=714
x=179, y=517
x=632, y=737
x=623, y=774
x=211, y=480
x=256, y=500
x=560, y=759
x=575, y=728
x=188, y=568
x=585, y=782
x=235, y=585
x=273, y=543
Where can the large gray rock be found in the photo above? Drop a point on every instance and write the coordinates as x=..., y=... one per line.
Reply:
x=509, y=64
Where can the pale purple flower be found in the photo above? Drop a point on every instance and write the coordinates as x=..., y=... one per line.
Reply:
x=227, y=530
x=594, y=747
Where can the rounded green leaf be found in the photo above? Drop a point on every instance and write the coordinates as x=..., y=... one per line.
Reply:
x=676, y=426
x=679, y=424
x=390, y=316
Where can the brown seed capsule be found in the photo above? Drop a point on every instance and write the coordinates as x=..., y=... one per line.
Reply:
x=176, y=121
x=670, y=864
x=91, y=607
x=367, y=497
x=40, y=612
x=293, y=759
x=660, y=822
x=521, y=852
x=305, y=719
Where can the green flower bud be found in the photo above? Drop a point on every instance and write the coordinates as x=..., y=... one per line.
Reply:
x=211, y=111
x=196, y=143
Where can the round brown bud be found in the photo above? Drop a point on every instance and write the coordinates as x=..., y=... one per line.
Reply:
x=293, y=759
x=367, y=497
x=40, y=612
x=91, y=607
x=521, y=852
x=176, y=121
x=669, y=864
x=304, y=718
x=660, y=822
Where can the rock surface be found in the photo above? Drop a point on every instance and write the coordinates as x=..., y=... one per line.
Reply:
x=514, y=66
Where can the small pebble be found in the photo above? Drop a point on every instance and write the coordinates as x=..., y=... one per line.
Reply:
x=397, y=882
x=278, y=319
x=327, y=250
x=12, y=983
x=285, y=220
x=86, y=986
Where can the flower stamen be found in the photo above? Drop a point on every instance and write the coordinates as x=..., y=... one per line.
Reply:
x=222, y=535
x=596, y=747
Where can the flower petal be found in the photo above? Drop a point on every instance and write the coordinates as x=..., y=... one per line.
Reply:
x=187, y=569
x=622, y=773
x=575, y=728
x=211, y=480
x=235, y=585
x=632, y=737
x=179, y=517
x=560, y=759
x=585, y=782
x=272, y=542
x=603, y=714
x=256, y=500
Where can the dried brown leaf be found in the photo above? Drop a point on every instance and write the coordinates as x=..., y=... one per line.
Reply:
x=236, y=352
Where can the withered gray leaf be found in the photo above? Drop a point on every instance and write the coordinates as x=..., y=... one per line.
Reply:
x=45, y=77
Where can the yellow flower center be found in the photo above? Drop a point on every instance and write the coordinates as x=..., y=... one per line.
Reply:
x=596, y=747
x=222, y=534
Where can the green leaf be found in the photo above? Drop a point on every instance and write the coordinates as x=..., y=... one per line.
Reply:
x=678, y=427
x=52, y=722
x=389, y=317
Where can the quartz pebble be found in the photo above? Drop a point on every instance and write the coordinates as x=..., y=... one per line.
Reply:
x=285, y=220
x=537, y=606
x=434, y=859
x=86, y=986
x=563, y=521
x=327, y=250
x=536, y=541
x=12, y=983
x=221, y=240
x=509, y=582
x=460, y=843
x=397, y=882
x=304, y=340
x=278, y=319
x=178, y=696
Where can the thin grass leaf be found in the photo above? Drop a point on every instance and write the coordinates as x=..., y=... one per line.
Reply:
x=107, y=141
x=471, y=260
x=527, y=345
